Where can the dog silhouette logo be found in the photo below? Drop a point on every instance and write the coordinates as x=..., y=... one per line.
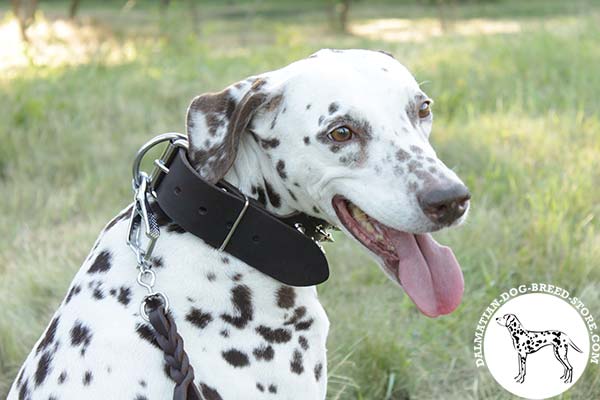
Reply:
x=528, y=342
x=535, y=345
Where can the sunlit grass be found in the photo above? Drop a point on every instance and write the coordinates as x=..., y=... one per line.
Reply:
x=516, y=117
x=58, y=43
x=419, y=30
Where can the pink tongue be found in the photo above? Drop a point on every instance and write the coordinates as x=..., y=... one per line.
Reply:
x=429, y=273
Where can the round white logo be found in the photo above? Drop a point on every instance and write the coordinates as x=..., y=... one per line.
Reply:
x=536, y=345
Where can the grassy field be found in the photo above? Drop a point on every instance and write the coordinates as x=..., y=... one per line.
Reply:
x=516, y=87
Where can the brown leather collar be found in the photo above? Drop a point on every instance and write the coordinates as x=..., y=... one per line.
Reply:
x=286, y=249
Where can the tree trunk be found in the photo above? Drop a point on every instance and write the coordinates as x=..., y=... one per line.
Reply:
x=195, y=16
x=344, y=10
x=73, y=7
x=24, y=11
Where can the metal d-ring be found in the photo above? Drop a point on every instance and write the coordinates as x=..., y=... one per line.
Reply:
x=178, y=139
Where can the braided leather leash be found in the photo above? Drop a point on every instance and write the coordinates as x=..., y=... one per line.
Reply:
x=171, y=343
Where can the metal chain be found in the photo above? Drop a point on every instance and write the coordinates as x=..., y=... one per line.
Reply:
x=143, y=222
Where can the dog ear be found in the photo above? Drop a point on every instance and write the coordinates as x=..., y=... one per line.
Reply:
x=215, y=123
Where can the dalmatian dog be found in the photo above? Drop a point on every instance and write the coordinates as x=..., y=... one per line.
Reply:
x=528, y=342
x=342, y=135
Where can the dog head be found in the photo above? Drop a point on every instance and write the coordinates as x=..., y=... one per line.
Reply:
x=508, y=320
x=344, y=136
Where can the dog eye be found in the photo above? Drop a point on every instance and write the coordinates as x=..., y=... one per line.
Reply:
x=341, y=134
x=425, y=109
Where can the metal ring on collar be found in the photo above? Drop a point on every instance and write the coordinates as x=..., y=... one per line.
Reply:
x=158, y=295
x=178, y=139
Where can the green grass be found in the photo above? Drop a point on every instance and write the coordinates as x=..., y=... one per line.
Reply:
x=516, y=116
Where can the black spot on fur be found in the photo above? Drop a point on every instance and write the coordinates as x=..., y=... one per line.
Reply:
x=262, y=198
x=308, y=106
x=142, y=383
x=281, y=169
x=87, y=378
x=140, y=397
x=211, y=276
x=318, y=371
x=145, y=332
x=269, y=143
x=209, y=393
x=20, y=377
x=416, y=149
x=237, y=277
x=225, y=260
x=264, y=353
x=80, y=335
x=241, y=297
x=286, y=297
x=292, y=195
x=24, y=391
x=43, y=368
x=321, y=119
x=48, y=336
x=274, y=198
x=62, y=377
x=157, y=262
x=198, y=318
x=236, y=358
x=386, y=53
x=333, y=107
x=272, y=388
x=299, y=313
x=303, y=342
x=101, y=263
x=316, y=210
x=97, y=292
x=296, y=363
x=402, y=155
x=260, y=387
x=224, y=333
x=306, y=140
x=124, y=295
x=279, y=335
x=304, y=325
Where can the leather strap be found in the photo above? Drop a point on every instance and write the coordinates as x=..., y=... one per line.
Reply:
x=176, y=359
x=260, y=239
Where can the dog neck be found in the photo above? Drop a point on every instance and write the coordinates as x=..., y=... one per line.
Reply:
x=515, y=328
x=254, y=175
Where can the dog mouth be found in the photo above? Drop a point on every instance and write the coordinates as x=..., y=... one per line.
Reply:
x=428, y=272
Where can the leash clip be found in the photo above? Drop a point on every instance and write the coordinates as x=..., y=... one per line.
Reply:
x=142, y=218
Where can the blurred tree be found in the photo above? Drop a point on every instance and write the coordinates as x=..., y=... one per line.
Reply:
x=445, y=9
x=195, y=16
x=73, y=7
x=24, y=11
x=339, y=11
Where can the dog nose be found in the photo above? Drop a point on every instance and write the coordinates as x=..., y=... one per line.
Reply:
x=445, y=204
